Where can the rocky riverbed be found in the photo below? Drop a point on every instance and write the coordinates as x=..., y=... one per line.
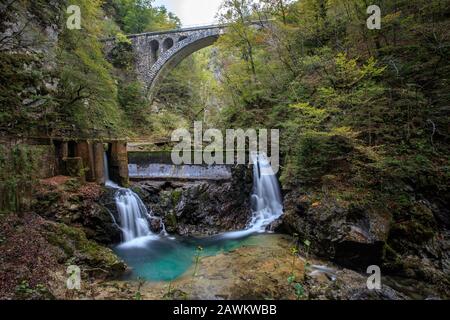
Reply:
x=70, y=223
x=261, y=269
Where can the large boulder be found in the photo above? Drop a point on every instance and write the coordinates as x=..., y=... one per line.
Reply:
x=93, y=259
x=352, y=236
x=200, y=207
x=65, y=200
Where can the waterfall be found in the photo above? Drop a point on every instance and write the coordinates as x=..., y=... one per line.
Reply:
x=108, y=181
x=133, y=214
x=267, y=203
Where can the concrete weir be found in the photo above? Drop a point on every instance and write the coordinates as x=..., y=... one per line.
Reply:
x=158, y=166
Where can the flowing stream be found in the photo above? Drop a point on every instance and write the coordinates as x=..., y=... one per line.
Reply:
x=157, y=257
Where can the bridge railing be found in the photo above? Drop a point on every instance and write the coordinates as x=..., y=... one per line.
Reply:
x=186, y=29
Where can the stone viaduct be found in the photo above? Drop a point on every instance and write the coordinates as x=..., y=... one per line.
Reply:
x=157, y=53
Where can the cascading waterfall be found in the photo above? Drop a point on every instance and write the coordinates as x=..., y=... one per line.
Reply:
x=267, y=204
x=266, y=198
x=133, y=214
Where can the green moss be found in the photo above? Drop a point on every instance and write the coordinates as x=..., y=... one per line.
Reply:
x=79, y=250
x=171, y=221
x=61, y=243
x=18, y=72
x=176, y=196
x=18, y=171
x=72, y=185
x=25, y=292
x=413, y=231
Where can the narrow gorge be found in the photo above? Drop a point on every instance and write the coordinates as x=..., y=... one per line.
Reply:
x=285, y=150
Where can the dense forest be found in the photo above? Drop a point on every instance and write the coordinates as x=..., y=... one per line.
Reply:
x=363, y=114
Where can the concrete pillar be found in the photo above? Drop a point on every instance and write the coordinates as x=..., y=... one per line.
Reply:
x=65, y=150
x=84, y=151
x=61, y=153
x=119, y=163
x=91, y=165
x=99, y=151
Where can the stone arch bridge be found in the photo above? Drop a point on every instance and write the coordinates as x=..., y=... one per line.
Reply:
x=157, y=53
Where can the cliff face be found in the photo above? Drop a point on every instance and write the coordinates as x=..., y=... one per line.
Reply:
x=407, y=237
x=55, y=80
x=29, y=34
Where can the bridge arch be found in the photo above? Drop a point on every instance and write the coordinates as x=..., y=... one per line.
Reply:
x=169, y=59
x=157, y=53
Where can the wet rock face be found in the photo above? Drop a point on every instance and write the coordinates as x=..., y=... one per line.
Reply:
x=203, y=207
x=353, y=237
x=414, y=247
x=62, y=199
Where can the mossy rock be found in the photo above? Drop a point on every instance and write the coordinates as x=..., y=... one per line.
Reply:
x=171, y=222
x=176, y=196
x=89, y=255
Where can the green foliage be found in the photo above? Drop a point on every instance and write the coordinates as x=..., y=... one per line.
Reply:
x=299, y=290
x=138, y=294
x=137, y=16
x=122, y=56
x=185, y=94
x=25, y=292
x=24, y=98
x=17, y=177
x=133, y=101
x=363, y=113
x=315, y=155
x=70, y=89
x=198, y=254
x=87, y=88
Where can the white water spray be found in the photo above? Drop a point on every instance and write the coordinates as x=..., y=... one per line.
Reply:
x=133, y=214
x=267, y=204
x=266, y=198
